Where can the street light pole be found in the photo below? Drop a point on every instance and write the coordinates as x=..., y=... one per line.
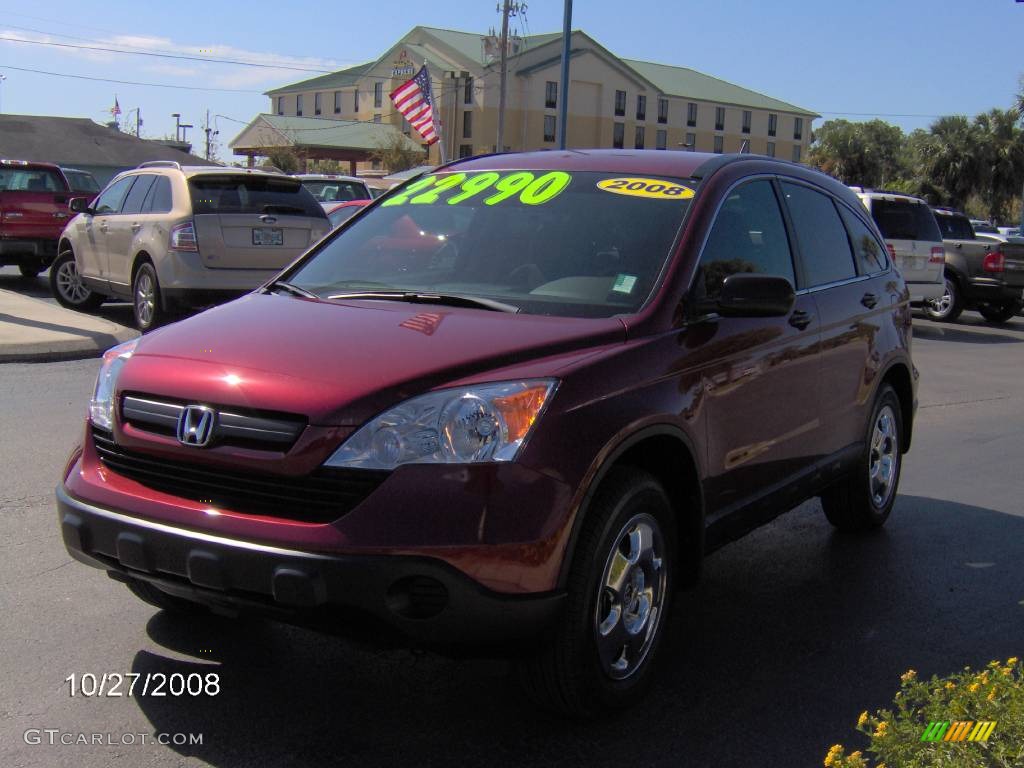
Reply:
x=2, y=78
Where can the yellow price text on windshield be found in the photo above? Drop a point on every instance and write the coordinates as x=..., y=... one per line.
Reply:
x=653, y=188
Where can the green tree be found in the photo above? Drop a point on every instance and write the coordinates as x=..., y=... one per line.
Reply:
x=952, y=167
x=867, y=154
x=395, y=154
x=1001, y=151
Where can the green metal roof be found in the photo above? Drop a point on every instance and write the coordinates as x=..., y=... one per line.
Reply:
x=328, y=82
x=323, y=132
x=680, y=81
x=468, y=43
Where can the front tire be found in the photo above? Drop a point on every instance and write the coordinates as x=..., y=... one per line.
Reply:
x=67, y=286
x=948, y=306
x=146, y=302
x=864, y=499
x=997, y=314
x=601, y=653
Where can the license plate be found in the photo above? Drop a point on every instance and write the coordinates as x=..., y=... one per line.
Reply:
x=268, y=236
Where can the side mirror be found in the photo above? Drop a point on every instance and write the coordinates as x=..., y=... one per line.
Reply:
x=753, y=295
x=80, y=205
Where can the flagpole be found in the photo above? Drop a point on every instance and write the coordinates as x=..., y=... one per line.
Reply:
x=437, y=116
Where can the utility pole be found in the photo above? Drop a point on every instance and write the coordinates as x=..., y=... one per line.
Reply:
x=508, y=8
x=209, y=134
x=138, y=121
x=563, y=105
x=2, y=78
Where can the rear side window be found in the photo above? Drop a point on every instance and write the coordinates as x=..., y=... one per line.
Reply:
x=252, y=194
x=904, y=220
x=159, y=199
x=113, y=196
x=137, y=195
x=824, y=247
x=868, y=252
x=30, y=180
x=748, y=236
x=955, y=227
x=336, y=190
x=81, y=181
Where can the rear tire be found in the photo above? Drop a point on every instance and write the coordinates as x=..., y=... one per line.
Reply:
x=601, y=653
x=997, y=314
x=948, y=306
x=864, y=499
x=67, y=286
x=160, y=599
x=146, y=302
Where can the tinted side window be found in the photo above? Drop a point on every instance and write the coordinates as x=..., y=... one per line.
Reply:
x=955, y=227
x=823, y=243
x=133, y=203
x=159, y=199
x=112, y=197
x=869, y=253
x=904, y=220
x=748, y=236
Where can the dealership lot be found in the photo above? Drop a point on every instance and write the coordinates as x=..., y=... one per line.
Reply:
x=793, y=632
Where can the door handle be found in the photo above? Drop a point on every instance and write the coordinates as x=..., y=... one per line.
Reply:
x=800, y=319
x=869, y=300
x=136, y=227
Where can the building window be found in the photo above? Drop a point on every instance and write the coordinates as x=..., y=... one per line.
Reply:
x=378, y=95
x=467, y=125
x=550, y=94
x=773, y=123
x=661, y=139
x=719, y=118
x=618, y=135
x=691, y=142
x=746, y=121
x=620, y=103
x=376, y=118
x=355, y=101
x=298, y=105
x=639, y=140
x=467, y=92
x=549, y=127
x=641, y=107
x=662, y=111
x=317, y=103
x=691, y=114
x=375, y=164
x=280, y=105
x=796, y=152
x=337, y=102
x=718, y=145
x=798, y=129
x=465, y=150
x=771, y=149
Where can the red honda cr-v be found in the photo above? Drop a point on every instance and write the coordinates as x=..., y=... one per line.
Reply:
x=512, y=404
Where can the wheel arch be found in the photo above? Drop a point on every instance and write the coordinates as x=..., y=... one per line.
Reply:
x=668, y=453
x=898, y=376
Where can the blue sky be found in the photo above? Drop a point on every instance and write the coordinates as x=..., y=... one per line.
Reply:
x=905, y=61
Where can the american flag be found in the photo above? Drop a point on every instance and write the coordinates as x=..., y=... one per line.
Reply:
x=116, y=109
x=413, y=100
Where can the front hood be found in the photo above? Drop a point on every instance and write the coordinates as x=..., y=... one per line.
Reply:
x=341, y=362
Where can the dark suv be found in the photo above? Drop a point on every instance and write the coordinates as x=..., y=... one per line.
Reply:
x=511, y=405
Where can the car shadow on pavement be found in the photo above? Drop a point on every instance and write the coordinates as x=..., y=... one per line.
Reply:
x=972, y=334
x=794, y=631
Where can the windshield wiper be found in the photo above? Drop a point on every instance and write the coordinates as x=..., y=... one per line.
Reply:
x=414, y=297
x=294, y=290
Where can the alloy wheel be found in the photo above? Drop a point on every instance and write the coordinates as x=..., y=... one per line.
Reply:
x=884, y=459
x=145, y=298
x=70, y=284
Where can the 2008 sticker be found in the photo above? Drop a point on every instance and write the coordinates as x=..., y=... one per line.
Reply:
x=530, y=188
x=658, y=189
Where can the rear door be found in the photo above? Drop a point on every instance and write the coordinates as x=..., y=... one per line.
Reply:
x=254, y=222
x=909, y=227
x=33, y=202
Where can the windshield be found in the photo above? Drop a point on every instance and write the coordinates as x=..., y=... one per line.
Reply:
x=251, y=194
x=337, y=190
x=549, y=242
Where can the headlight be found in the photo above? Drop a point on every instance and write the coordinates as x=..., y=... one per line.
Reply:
x=101, y=407
x=489, y=422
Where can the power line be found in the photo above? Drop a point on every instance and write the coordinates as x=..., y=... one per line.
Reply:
x=128, y=82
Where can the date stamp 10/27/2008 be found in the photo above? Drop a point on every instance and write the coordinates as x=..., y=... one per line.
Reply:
x=123, y=684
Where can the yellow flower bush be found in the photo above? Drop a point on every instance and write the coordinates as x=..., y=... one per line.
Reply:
x=894, y=736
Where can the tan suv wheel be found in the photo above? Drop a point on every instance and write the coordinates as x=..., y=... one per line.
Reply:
x=146, y=305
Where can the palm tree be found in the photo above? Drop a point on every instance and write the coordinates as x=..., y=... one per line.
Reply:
x=1001, y=150
x=951, y=160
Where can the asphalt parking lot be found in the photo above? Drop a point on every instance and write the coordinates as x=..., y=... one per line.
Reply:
x=793, y=631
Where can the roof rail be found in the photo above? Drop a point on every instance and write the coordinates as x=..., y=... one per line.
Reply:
x=161, y=164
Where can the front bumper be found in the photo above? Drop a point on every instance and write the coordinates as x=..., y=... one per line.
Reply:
x=417, y=598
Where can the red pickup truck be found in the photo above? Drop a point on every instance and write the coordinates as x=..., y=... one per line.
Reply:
x=34, y=201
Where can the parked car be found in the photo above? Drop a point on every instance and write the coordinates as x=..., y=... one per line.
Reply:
x=979, y=274
x=169, y=237
x=511, y=406
x=81, y=182
x=339, y=213
x=1009, y=231
x=34, y=201
x=331, y=188
x=913, y=239
x=982, y=227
